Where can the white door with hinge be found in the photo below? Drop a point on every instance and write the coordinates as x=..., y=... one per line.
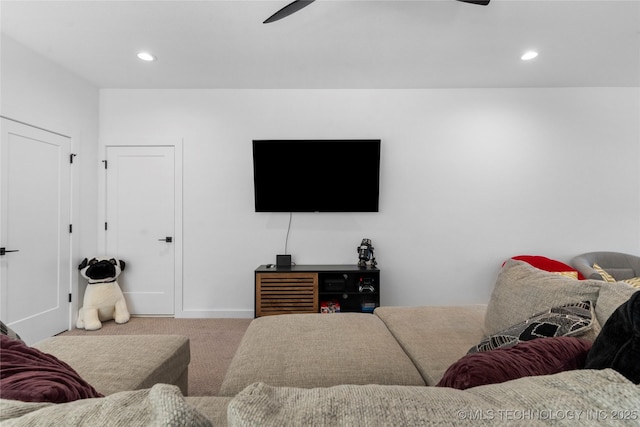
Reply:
x=140, y=225
x=35, y=241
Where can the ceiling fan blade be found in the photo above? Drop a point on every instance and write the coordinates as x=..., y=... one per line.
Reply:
x=478, y=2
x=292, y=7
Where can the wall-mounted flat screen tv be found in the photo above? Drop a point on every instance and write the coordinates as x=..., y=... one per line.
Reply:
x=316, y=175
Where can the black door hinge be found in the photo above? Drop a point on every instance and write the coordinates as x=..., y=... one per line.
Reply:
x=69, y=297
x=71, y=156
x=70, y=228
x=106, y=226
x=105, y=163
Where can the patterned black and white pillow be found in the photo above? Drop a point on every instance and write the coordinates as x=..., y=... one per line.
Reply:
x=568, y=320
x=5, y=330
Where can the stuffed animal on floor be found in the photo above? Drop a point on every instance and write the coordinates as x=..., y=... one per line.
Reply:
x=103, y=298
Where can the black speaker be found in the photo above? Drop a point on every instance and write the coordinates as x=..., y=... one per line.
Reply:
x=283, y=261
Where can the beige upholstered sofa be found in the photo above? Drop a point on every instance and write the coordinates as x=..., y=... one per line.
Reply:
x=113, y=363
x=382, y=369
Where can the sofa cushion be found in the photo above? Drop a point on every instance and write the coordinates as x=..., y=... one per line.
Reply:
x=29, y=375
x=434, y=337
x=543, y=356
x=618, y=345
x=162, y=405
x=576, y=320
x=530, y=401
x=113, y=363
x=318, y=350
x=522, y=291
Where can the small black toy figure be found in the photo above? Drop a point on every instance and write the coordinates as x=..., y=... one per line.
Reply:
x=365, y=254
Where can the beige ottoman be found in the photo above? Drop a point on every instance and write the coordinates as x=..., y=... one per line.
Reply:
x=113, y=363
x=318, y=350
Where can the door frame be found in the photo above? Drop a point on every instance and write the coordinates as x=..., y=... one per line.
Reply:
x=177, y=144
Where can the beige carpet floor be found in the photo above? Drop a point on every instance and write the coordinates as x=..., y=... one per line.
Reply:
x=213, y=344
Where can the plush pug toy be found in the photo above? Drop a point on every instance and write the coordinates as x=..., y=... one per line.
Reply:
x=103, y=299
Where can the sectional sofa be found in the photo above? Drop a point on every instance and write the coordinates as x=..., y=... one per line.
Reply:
x=467, y=365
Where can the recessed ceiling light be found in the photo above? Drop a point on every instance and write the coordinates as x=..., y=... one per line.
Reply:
x=529, y=55
x=146, y=56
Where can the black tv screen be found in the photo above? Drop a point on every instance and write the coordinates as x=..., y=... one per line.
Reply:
x=316, y=175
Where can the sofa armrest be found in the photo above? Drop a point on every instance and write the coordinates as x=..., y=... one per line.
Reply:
x=584, y=264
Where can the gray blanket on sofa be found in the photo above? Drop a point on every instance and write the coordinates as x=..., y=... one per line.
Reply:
x=582, y=397
x=162, y=405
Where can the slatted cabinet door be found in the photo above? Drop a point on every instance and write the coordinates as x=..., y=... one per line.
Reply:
x=286, y=293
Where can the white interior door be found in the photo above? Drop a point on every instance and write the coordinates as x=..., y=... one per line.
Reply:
x=140, y=228
x=34, y=217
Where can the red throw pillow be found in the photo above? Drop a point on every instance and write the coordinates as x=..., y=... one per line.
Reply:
x=29, y=375
x=547, y=264
x=541, y=356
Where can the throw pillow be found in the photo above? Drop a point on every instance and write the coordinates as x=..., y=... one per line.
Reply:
x=29, y=375
x=634, y=281
x=618, y=345
x=602, y=272
x=550, y=265
x=543, y=356
x=569, y=320
x=571, y=274
x=522, y=291
x=5, y=330
x=611, y=296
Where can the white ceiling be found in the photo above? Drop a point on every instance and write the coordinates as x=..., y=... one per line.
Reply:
x=334, y=43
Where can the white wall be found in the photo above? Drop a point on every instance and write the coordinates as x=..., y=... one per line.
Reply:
x=38, y=92
x=469, y=178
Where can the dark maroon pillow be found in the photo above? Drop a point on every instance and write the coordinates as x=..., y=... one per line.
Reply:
x=541, y=356
x=29, y=375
